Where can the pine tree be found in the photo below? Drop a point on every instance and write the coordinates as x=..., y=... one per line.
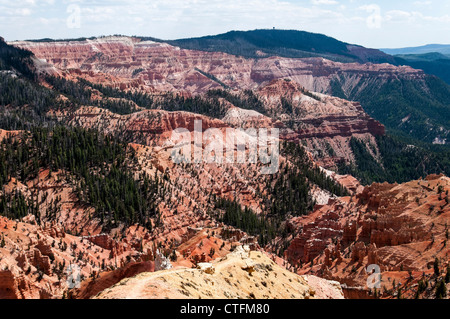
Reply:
x=436, y=267
x=447, y=276
x=441, y=290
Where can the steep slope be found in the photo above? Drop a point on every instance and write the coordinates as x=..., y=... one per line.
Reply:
x=432, y=63
x=418, y=108
x=38, y=250
x=16, y=59
x=401, y=228
x=324, y=124
x=390, y=159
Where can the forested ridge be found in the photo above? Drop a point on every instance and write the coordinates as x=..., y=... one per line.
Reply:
x=208, y=105
x=261, y=226
x=288, y=195
x=98, y=167
x=418, y=109
x=16, y=59
x=398, y=162
x=290, y=188
x=274, y=42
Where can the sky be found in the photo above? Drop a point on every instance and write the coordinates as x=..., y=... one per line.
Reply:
x=374, y=24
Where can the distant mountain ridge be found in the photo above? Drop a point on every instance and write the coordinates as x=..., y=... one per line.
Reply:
x=439, y=48
x=283, y=43
x=431, y=56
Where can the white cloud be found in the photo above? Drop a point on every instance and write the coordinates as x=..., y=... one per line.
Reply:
x=320, y=2
x=422, y=3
